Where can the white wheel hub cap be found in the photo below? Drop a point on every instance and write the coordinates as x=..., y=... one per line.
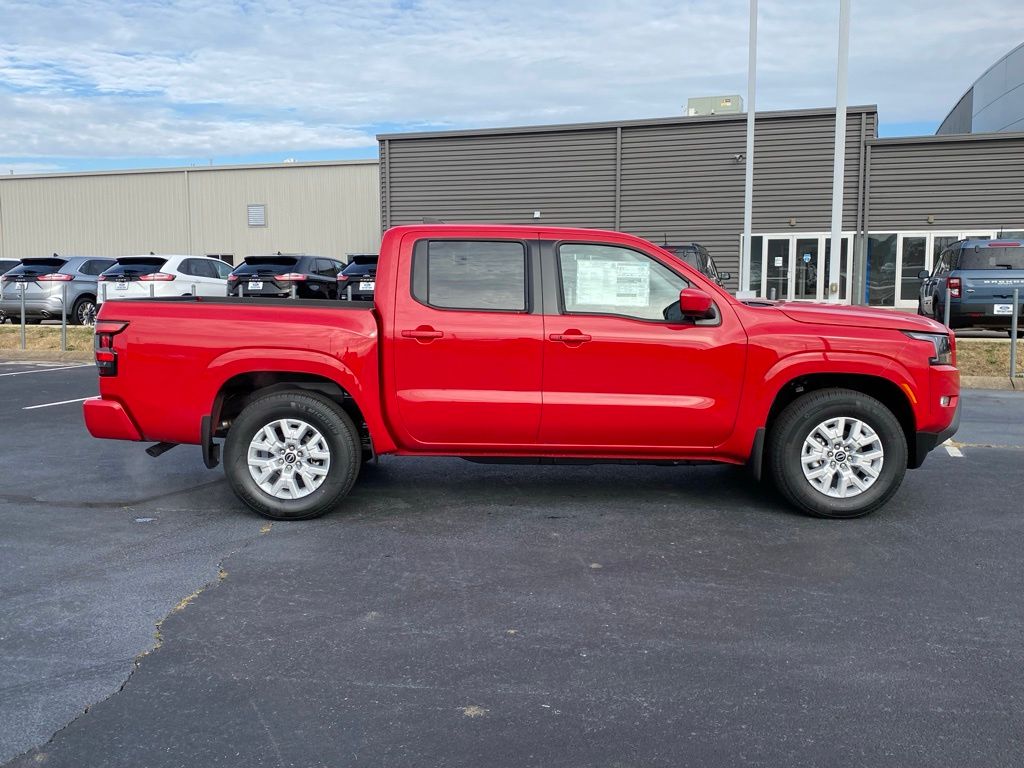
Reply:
x=289, y=459
x=842, y=457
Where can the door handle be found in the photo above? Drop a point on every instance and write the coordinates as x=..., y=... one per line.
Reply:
x=571, y=337
x=422, y=333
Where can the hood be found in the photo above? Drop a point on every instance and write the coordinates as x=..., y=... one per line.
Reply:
x=858, y=317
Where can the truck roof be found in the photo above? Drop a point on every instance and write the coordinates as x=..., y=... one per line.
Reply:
x=557, y=233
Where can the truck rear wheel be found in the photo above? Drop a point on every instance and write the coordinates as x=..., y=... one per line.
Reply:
x=837, y=453
x=292, y=455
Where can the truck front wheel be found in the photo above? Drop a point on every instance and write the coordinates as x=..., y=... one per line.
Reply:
x=292, y=455
x=837, y=453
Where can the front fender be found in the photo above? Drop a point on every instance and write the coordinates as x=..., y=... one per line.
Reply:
x=757, y=405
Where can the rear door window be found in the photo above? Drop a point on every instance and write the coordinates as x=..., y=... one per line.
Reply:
x=203, y=268
x=470, y=274
x=327, y=268
x=96, y=266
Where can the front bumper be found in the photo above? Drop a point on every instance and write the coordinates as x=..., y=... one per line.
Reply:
x=927, y=441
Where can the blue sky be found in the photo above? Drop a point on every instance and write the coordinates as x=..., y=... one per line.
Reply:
x=94, y=85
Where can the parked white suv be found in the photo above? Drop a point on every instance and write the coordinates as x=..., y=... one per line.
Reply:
x=135, y=277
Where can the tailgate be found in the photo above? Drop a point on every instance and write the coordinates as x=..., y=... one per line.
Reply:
x=990, y=285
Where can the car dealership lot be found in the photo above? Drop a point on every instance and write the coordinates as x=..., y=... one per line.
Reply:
x=460, y=614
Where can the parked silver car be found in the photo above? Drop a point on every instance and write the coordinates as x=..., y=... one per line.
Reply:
x=44, y=280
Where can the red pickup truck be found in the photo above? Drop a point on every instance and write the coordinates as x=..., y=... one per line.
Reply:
x=494, y=342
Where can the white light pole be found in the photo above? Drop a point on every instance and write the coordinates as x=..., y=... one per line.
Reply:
x=748, y=183
x=839, y=160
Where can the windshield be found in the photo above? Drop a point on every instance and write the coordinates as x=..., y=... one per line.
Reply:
x=992, y=258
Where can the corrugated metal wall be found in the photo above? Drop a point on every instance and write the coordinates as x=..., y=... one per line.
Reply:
x=972, y=180
x=327, y=208
x=504, y=178
x=685, y=182
x=678, y=178
x=324, y=209
x=92, y=215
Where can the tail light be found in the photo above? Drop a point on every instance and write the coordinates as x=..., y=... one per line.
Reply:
x=103, y=345
x=232, y=278
x=342, y=278
x=294, y=276
x=55, y=277
x=157, y=277
x=954, y=287
x=101, y=278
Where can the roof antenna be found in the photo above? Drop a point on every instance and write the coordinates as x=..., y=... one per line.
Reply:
x=278, y=253
x=56, y=255
x=152, y=254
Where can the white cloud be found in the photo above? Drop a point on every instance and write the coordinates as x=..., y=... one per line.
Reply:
x=89, y=78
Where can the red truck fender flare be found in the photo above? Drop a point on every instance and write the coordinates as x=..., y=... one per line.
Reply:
x=754, y=412
x=285, y=361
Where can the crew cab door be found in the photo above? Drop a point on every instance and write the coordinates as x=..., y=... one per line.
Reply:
x=618, y=376
x=465, y=346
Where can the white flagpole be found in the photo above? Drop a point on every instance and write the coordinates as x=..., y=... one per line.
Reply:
x=748, y=184
x=839, y=160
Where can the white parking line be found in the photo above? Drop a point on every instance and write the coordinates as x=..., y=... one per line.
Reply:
x=59, y=402
x=47, y=370
x=952, y=450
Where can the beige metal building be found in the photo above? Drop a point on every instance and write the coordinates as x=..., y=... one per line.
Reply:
x=327, y=208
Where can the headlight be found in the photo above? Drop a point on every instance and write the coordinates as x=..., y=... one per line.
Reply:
x=940, y=344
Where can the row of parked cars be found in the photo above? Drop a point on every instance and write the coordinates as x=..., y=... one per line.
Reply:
x=90, y=280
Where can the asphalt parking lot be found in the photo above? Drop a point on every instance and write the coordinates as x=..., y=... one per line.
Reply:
x=454, y=614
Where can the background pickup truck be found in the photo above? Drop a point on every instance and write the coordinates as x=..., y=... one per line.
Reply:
x=497, y=342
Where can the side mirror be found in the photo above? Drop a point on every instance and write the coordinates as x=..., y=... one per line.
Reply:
x=725, y=275
x=924, y=274
x=693, y=302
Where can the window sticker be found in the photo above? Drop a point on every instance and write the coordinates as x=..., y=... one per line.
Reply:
x=613, y=284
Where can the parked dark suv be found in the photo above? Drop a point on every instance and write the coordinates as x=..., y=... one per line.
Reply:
x=980, y=276
x=697, y=256
x=44, y=281
x=359, y=279
x=314, y=277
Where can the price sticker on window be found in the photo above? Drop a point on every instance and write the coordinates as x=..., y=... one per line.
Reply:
x=613, y=284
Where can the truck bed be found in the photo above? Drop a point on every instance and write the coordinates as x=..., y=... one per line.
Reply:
x=177, y=353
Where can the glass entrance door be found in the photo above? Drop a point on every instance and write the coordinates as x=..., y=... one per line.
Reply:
x=777, y=269
x=911, y=259
x=806, y=269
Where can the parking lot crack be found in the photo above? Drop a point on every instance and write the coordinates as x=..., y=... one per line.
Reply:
x=158, y=638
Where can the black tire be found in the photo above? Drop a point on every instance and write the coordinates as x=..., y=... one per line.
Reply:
x=794, y=425
x=324, y=415
x=84, y=308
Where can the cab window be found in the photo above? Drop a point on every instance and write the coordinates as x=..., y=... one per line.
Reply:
x=611, y=280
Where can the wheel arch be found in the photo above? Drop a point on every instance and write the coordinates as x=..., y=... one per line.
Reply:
x=882, y=388
x=236, y=392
